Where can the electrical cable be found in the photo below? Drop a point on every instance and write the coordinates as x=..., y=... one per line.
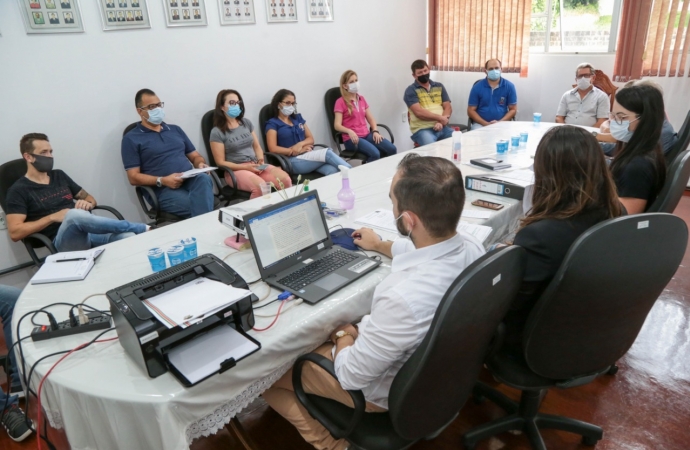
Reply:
x=274, y=320
x=296, y=302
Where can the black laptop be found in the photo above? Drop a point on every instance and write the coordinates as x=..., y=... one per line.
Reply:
x=295, y=253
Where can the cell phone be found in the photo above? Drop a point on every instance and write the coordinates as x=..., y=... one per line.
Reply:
x=487, y=204
x=262, y=167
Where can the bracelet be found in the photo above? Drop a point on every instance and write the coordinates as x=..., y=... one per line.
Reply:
x=375, y=131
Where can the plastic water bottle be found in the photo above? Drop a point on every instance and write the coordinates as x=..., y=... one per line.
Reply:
x=457, y=146
x=346, y=196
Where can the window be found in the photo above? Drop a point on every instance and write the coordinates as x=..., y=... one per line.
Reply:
x=574, y=25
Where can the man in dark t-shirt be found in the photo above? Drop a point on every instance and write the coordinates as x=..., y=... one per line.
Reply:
x=156, y=154
x=48, y=201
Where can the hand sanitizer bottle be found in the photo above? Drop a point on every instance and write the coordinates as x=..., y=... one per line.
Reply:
x=457, y=146
x=346, y=196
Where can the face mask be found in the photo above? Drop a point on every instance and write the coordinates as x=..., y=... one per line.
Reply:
x=288, y=110
x=42, y=163
x=621, y=132
x=401, y=231
x=156, y=116
x=353, y=88
x=423, y=79
x=494, y=74
x=234, y=111
x=583, y=83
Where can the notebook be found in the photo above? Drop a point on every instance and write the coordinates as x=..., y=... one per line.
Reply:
x=66, y=266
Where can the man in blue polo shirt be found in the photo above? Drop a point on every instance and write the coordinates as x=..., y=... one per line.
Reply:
x=428, y=106
x=493, y=98
x=155, y=153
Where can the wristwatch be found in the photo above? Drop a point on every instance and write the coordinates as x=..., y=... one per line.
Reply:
x=594, y=133
x=342, y=333
x=159, y=182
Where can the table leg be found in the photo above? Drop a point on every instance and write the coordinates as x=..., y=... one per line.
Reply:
x=237, y=430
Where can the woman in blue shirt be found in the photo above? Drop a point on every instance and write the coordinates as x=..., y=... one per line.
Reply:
x=287, y=134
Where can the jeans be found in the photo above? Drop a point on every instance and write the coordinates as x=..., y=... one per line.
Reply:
x=476, y=126
x=82, y=230
x=8, y=298
x=193, y=198
x=373, y=150
x=608, y=148
x=328, y=168
x=429, y=136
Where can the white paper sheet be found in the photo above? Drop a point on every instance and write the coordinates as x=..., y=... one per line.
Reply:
x=481, y=232
x=201, y=356
x=523, y=177
x=194, y=172
x=66, y=266
x=474, y=214
x=318, y=155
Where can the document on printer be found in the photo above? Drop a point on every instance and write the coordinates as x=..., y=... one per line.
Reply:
x=192, y=302
x=200, y=357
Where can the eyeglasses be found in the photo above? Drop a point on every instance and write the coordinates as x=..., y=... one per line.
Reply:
x=233, y=102
x=290, y=104
x=619, y=119
x=153, y=106
x=587, y=75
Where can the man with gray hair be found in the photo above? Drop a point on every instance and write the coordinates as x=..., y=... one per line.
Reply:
x=586, y=104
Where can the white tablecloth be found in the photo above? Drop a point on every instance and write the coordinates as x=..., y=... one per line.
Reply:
x=104, y=401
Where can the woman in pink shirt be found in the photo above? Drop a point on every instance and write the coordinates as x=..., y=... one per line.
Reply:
x=351, y=116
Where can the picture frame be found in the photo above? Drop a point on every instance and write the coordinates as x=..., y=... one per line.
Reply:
x=237, y=12
x=185, y=13
x=280, y=11
x=319, y=10
x=51, y=16
x=124, y=14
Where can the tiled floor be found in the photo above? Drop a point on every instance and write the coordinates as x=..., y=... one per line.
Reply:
x=645, y=406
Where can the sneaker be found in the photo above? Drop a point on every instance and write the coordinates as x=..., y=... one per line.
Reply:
x=14, y=420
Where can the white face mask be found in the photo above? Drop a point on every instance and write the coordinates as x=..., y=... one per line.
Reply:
x=353, y=88
x=583, y=83
x=400, y=233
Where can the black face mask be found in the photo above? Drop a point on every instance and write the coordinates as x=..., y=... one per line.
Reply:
x=43, y=163
x=423, y=79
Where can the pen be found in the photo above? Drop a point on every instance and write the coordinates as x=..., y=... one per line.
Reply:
x=73, y=259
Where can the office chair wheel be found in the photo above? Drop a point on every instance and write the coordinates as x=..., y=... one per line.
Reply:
x=586, y=440
x=612, y=370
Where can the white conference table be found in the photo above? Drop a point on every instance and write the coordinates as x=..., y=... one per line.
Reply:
x=104, y=401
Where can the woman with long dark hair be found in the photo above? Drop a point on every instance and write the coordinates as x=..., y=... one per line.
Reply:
x=234, y=145
x=287, y=134
x=638, y=166
x=573, y=190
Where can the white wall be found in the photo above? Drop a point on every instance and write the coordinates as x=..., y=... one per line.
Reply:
x=550, y=75
x=79, y=88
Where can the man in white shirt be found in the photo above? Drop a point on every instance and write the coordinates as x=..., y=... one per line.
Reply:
x=586, y=104
x=428, y=196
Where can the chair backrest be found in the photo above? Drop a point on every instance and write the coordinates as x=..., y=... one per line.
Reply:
x=434, y=383
x=332, y=95
x=206, y=127
x=10, y=172
x=469, y=119
x=264, y=116
x=676, y=183
x=603, y=82
x=682, y=143
x=129, y=128
x=596, y=304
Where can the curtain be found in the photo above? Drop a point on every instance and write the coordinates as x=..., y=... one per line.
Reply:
x=464, y=34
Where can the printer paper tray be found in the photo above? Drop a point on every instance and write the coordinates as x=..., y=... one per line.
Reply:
x=209, y=353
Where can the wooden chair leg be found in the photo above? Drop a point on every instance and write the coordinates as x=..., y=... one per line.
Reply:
x=237, y=430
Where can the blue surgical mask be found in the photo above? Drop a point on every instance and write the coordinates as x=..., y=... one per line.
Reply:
x=156, y=116
x=621, y=131
x=234, y=111
x=288, y=110
x=494, y=74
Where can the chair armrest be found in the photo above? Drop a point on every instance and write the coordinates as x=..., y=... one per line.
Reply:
x=279, y=160
x=111, y=210
x=327, y=365
x=320, y=146
x=151, y=212
x=44, y=240
x=390, y=133
x=232, y=177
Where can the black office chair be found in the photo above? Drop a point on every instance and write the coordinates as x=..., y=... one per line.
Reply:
x=280, y=160
x=469, y=119
x=10, y=172
x=227, y=194
x=682, y=143
x=586, y=319
x=332, y=95
x=432, y=386
x=677, y=178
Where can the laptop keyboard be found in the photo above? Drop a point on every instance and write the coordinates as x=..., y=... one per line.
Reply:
x=318, y=269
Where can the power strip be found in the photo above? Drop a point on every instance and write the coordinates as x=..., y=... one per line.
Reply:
x=97, y=321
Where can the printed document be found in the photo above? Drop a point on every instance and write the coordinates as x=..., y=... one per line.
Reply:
x=194, y=172
x=318, y=155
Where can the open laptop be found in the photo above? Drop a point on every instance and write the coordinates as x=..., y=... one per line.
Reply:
x=295, y=253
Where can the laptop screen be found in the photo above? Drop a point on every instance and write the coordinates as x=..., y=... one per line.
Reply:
x=288, y=230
